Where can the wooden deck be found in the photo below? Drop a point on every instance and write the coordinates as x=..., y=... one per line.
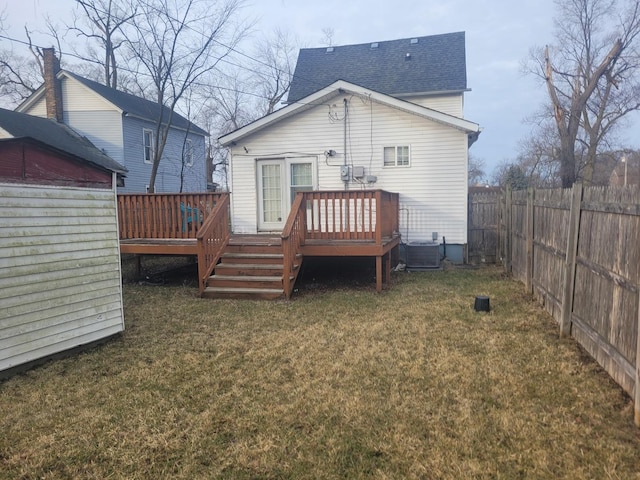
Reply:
x=160, y=246
x=321, y=224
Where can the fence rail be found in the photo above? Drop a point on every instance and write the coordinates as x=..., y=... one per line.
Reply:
x=577, y=251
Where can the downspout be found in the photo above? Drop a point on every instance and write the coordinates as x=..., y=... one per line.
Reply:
x=346, y=181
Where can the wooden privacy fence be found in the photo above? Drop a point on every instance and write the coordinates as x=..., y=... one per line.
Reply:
x=578, y=251
x=483, y=225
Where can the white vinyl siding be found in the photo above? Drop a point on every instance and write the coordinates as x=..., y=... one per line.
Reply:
x=88, y=114
x=449, y=104
x=60, y=280
x=433, y=191
x=37, y=109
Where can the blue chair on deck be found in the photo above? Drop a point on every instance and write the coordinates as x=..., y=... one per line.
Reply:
x=189, y=215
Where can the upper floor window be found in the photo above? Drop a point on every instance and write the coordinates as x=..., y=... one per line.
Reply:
x=396, y=156
x=188, y=152
x=147, y=140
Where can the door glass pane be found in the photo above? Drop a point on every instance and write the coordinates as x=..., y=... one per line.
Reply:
x=301, y=178
x=271, y=194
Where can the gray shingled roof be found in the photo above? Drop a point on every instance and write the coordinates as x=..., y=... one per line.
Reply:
x=137, y=106
x=57, y=135
x=435, y=64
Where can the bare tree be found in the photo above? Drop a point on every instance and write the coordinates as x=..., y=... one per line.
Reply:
x=230, y=103
x=327, y=36
x=475, y=171
x=594, y=55
x=277, y=55
x=101, y=21
x=176, y=45
x=21, y=76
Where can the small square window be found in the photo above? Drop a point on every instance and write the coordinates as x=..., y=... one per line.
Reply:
x=396, y=156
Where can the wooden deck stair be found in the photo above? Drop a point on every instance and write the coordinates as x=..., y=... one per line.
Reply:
x=250, y=268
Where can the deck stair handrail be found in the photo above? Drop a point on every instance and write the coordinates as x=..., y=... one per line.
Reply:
x=293, y=236
x=164, y=215
x=212, y=237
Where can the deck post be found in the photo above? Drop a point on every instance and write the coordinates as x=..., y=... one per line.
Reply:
x=378, y=273
x=388, y=267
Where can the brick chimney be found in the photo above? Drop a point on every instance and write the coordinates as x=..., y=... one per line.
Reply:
x=52, y=85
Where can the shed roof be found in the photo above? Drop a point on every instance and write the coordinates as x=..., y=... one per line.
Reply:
x=58, y=136
x=404, y=67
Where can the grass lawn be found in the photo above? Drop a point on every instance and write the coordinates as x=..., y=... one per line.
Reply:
x=340, y=382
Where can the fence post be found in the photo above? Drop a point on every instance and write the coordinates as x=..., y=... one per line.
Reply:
x=499, y=241
x=569, y=280
x=507, y=229
x=529, y=262
x=637, y=392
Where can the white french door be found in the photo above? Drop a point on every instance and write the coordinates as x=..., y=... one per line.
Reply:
x=278, y=182
x=271, y=192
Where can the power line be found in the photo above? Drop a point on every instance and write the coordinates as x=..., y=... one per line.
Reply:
x=135, y=72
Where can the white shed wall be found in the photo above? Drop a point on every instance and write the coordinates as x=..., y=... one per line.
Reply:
x=433, y=189
x=60, y=279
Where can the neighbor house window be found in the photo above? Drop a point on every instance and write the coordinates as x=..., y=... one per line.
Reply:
x=188, y=152
x=396, y=156
x=147, y=139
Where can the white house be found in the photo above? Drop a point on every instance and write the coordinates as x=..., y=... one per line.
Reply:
x=385, y=115
x=124, y=127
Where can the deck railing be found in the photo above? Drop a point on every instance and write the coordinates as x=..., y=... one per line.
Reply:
x=364, y=215
x=164, y=215
x=360, y=215
x=292, y=240
x=212, y=238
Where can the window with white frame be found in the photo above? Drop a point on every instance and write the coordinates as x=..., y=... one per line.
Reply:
x=147, y=141
x=396, y=156
x=301, y=178
x=188, y=152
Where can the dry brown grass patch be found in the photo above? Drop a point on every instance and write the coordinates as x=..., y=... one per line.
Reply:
x=339, y=383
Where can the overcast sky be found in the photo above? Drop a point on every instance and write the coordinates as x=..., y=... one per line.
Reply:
x=499, y=35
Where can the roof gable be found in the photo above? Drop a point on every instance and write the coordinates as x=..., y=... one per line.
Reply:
x=125, y=102
x=58, y=136
x=418, y=65
x=338, y=88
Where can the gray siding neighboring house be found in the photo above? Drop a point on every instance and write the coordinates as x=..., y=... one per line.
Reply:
x=115, y=122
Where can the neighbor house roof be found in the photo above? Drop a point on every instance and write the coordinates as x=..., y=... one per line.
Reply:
x=125, y=102
x=405, y=67
x=56, y=135
x=341, y=87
